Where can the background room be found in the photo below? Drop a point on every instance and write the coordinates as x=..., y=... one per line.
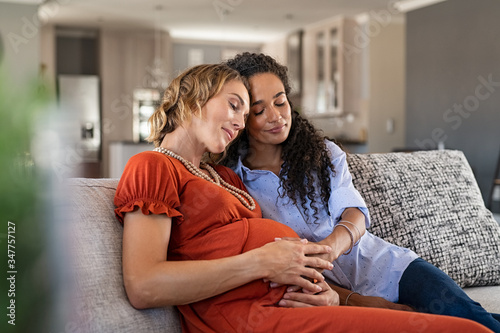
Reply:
x=378, y=76
x=79, y=79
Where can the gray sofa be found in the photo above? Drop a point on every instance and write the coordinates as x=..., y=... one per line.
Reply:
x=428, y=201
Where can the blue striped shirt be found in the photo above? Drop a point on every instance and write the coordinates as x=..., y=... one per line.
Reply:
x=373, y=268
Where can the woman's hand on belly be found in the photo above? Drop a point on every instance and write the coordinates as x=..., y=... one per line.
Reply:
x=293, y=262
x=330, y=257
x=295, y=297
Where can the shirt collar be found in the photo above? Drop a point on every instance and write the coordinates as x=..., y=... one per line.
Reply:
x=246, y=174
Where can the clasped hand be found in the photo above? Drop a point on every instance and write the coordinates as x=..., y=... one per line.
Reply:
x=295, y=297
x=295, y=262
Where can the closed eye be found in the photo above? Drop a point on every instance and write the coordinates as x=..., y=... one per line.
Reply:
x=280, y=100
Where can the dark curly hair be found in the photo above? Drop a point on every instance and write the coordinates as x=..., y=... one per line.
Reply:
x=306, y=159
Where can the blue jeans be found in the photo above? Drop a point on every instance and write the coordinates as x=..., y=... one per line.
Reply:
x=428, y=289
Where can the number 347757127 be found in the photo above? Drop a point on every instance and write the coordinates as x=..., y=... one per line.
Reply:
x=11, y=245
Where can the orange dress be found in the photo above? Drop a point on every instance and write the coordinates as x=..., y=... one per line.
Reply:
x=208, y=223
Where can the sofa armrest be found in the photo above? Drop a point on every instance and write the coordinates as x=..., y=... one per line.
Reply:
x=99, y=299
x=488, y=297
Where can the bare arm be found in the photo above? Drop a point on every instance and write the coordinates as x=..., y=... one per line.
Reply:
x=335, y=295
x=366, y=301
x=295, y=297
x=152, y=281
x=339, y=239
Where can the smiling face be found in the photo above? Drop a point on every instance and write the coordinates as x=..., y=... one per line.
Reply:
x=270, y=116
x=222, y=117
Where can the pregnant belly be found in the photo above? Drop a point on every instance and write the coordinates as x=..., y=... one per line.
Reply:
x=239, y=303
x=231, y=239
x=262, y=231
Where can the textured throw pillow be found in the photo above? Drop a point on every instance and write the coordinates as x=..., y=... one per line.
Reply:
x=429, y=201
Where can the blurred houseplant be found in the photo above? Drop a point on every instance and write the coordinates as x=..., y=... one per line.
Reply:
x=22, y=212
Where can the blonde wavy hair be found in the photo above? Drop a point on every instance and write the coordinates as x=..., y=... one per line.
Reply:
x=186, y=95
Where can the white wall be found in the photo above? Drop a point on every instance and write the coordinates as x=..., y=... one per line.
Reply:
x=20, y=35
x=126, y=59
x=386, y=103
x=276, y=49
x=453, y=51
x=380, y=91
x=47, y=53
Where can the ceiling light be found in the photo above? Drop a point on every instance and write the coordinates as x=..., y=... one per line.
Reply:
x=26, y=2
x=409, y=5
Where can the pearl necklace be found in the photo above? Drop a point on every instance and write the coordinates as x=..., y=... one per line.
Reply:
x=217, y=180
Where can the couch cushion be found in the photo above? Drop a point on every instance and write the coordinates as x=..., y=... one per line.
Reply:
x=430, y=202
x=488, y=297
x=100, y=301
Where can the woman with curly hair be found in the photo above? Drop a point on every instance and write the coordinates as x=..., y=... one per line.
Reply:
x=302, y=180
x=194, y=238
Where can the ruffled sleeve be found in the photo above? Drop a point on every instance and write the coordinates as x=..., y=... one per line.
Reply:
x=151, y=183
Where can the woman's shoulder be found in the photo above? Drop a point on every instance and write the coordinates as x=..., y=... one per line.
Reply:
x=149, y=181
x=331, y=144
x=148, y=155
x=225, y=172
x=334, y=149
x=229, y=175
x=149, y=160
x=149, y=167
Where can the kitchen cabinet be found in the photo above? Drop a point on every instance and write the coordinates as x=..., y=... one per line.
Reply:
x=331, y=87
